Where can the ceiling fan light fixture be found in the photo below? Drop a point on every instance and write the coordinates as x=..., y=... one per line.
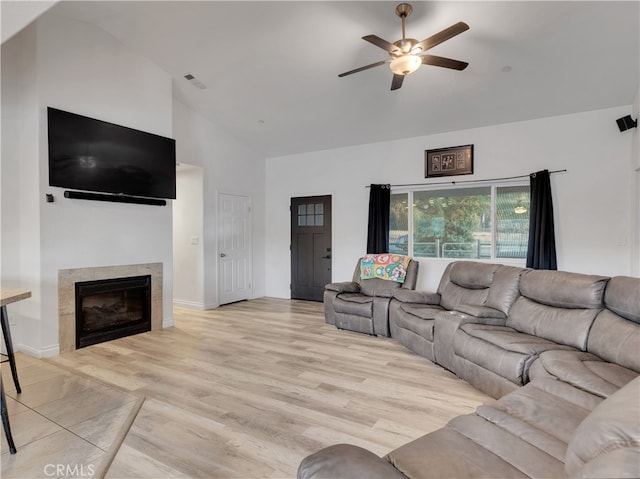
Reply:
x=407, y=54
x=405, y=64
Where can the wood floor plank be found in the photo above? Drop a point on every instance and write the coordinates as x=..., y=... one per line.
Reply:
x=249, y=389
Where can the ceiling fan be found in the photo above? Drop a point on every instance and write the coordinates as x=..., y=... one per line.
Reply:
x=406, y=55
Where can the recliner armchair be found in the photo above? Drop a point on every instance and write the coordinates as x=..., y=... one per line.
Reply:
x=362, y=305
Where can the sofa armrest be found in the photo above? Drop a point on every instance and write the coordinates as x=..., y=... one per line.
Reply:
x=384, y=293
x=346, y=461
x=343, y=287
x=445, y=327
x=412, y=296
x=480, y=311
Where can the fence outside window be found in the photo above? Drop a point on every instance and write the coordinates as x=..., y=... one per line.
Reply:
x=486, y=222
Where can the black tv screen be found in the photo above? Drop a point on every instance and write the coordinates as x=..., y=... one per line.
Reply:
x=93, y=155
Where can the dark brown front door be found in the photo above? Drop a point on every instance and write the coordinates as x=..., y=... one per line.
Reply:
x=310, y=246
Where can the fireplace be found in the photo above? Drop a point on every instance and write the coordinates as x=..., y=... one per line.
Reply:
x=112, y=308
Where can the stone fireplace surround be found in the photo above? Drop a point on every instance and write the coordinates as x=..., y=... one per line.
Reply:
x=67, y=278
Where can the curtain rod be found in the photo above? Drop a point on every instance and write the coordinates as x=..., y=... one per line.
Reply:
x=471, y=181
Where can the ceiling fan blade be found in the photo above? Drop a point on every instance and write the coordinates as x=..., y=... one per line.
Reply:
x=366, y=67
x=442, y=36
x=443, y=62
x=397, y=81
x=379, y=42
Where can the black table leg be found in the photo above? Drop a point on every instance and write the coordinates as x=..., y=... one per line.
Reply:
x=6, y=332
x=5, y=419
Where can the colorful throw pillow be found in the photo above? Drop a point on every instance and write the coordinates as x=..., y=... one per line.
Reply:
x=392, y=267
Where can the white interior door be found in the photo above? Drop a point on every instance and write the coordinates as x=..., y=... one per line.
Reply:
x=234, y=248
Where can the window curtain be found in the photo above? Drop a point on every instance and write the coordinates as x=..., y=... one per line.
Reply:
x=541, y=253
x=378, y=231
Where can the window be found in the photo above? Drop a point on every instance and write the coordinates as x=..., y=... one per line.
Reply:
x=475, y=223
x=311, y=214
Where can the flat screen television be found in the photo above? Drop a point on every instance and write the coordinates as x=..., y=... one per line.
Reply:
x=93, y=155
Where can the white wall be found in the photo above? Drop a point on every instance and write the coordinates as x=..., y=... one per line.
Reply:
x=188, y=253
x=79, y=68
x=229, y=167
x=20, y=228
x=592, y=200
x=16, y=15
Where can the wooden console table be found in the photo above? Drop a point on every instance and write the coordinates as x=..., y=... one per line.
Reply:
x=8, y=296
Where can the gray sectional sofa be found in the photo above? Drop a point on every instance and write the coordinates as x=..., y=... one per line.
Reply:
x=559, y=351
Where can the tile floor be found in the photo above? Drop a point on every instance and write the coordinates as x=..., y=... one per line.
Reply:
x=59, y=417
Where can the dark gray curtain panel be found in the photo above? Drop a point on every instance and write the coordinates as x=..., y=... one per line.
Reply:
x=541, y=253
x=378, y=231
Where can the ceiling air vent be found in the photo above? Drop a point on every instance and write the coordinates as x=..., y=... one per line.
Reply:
x=195, y=82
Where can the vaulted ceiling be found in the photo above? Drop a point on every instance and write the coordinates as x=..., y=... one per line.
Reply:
x=271, y=68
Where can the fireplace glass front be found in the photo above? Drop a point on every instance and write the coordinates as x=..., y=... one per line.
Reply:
x=111, y=309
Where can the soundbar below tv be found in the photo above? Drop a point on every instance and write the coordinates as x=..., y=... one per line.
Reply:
x=93, y=155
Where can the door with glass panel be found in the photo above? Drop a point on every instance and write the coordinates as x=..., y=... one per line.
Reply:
x=310, y=246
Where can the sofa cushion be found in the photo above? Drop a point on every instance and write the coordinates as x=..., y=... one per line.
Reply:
x=504, y=288
x=621, y=297
x=546, y=409
x=348, y=461
x=422, y=311
x=446, y=453
x=480, y=311
x=355, y=298
x=472, y=275
x=584, y=371
x=615, y=334
x=522, y=429
x=354, y=303
x=580, y=398
x=564, y=290
x=417, y=325
x=561, y=325
x=509, y=447
x=500, y=349
x=614, y=424
x=412, y=296
x=465, y=282
x=371, y=286
x=343, y=287
x=452, y=295
x=619, y=463
x=616, y=340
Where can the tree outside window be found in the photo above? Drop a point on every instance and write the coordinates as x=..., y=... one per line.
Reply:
x=458, y=223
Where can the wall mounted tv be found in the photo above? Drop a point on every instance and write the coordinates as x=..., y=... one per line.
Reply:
x=93, y=155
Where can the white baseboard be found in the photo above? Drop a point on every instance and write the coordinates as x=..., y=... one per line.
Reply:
x=188, y=304
x=48, y=352
x=167, y=322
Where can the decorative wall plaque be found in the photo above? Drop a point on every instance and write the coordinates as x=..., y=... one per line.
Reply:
x=456, y=160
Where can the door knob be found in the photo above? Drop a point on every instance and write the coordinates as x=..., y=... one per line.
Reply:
x=327, y=257
x=222, y=255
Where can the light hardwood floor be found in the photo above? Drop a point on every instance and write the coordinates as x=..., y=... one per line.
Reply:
x=249, y=389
